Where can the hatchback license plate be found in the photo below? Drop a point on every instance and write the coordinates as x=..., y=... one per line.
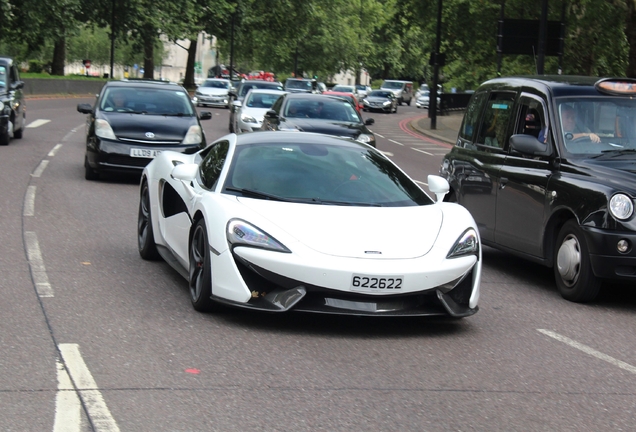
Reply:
x=369, y=283
x=144, y=153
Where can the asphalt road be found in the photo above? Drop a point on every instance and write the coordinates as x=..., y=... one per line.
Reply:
x=94, y=338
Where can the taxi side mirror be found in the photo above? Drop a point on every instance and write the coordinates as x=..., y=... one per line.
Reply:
x=529, y=145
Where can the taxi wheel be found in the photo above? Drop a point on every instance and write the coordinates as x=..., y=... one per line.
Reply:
x=145, y=236
x=18, y=133
x=5, y=137
x=200, y=279
x=572, y=268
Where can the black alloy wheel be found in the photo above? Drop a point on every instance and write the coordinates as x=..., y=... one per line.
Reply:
x=200, y=271
x=572, y=268
x=145, y=234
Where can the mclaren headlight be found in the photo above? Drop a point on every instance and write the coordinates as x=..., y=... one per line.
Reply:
x=194, y=135
x=466, y=244
x=241, y=233
x=366, y=138
x=621, y=206
x=103, y=129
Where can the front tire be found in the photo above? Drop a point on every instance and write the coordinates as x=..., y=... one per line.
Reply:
x=145, y=234
x=572, y=268
x=201, y=270
x=89, y=173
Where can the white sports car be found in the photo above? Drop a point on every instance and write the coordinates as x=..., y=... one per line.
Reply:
x=296, y=221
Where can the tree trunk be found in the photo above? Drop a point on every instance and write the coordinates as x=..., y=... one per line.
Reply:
x=59, y=57
x=630, y=33
x=149, y=53
x=188, y=81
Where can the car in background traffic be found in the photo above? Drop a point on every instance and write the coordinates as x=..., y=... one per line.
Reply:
x=348, y=96
x=213, y=92
x=13, y=114
x=545, y=165
x=380, y=100
x=363, y=90
x=303, y=222
x=133, y=121
x=250, y=112
x=241, y=91
x=423, y=99
x=345, y=89
x=403, y=90
x=300, y=85
x=330, y=115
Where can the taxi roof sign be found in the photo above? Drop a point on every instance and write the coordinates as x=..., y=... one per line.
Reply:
x=617, y=86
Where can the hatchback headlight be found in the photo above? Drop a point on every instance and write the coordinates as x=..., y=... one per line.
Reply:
x=621, y=206
x=241, y=233
x=365, y=138
x=386, y=103
x=466, y=244
x=194, y=135
x=103, y=129
x=248, y=118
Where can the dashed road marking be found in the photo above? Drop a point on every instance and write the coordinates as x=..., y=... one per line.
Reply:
x=396, y=142
x=29, y=201
x=37, y=123
x=588, y=350
x=38, y=271
x=67, y=403
x=422, y=151
x=54, y=150
x=86, y=387
x=40, y=169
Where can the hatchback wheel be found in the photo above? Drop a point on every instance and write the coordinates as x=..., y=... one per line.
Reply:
x=572, y=268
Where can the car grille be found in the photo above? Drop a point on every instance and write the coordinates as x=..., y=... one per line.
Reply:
x=132, y=140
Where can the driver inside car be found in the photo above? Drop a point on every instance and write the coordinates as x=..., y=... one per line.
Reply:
x=571, y=129
x=117, y=102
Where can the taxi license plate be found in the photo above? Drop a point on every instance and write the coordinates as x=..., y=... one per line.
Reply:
x=369, y=283
x=144, y=153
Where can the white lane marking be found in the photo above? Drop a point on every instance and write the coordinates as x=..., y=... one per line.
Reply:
x=54, y=150
x=29, y=202
x=421, y=182
x=591, y=351
x=395, y=142
x=67, y=404
x=386, y=153
x=68, y=135
x=422, y=151
x=40, y=169
x=377, y=134
x=38, y=272
x=37, y=123
x=86, y=386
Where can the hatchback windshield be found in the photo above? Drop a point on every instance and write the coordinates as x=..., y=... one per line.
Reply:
x=247, y=86
x=150, y=101
x=392, y=85
x=597, y=126
x=380, y=93
x=324, y=109
x=216, y=84
x=260, y=100
x=298, y=84
x=347, y=174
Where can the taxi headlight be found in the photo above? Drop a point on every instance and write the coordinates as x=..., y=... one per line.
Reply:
x=365, y=138
x=466, y=244
x=103, y=129
x=241, y=233
x=621, y=206
x=194, y=135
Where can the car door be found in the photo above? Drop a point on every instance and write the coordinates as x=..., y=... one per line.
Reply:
x=476, y=171
x=523, y=182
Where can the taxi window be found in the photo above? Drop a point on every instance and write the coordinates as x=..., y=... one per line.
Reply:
x=471, y=117
x=494, y=125
x=531, y=119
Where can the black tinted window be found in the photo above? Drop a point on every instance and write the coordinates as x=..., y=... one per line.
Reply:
x=211, y=166
x=494, y=126
x=471, y=117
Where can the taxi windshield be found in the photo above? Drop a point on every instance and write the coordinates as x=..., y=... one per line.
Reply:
x=3, y=76
x=597, y=125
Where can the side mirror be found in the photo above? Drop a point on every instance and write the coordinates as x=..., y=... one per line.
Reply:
x=185, y=172
x=529, y=145
x=369, y=121
x=237, y=104
x=439, y=186
x=84, y=108
x=271, y=114
x=205, y=115
x=17, y=85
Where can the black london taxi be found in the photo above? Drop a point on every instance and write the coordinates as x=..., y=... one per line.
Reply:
x=547, y=167
x=13, y=113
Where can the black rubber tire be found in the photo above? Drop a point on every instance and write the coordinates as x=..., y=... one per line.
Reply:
x=572, y=268
x=395, y=110
x=89, y=173
x=231, y=127
x=17, y=134
x=145, y=234
x=5, y=138
x=409, y=102
x=200, y=271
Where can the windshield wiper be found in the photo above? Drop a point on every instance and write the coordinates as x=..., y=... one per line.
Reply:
x=174, y=114
x=258, y=194
x=613, y=153
x=345, y=203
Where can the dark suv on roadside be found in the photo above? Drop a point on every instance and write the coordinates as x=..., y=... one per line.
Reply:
x=134, y=121
x=13, y=115
x=547, y=167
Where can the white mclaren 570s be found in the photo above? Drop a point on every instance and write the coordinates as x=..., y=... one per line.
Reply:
x=296, y=221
